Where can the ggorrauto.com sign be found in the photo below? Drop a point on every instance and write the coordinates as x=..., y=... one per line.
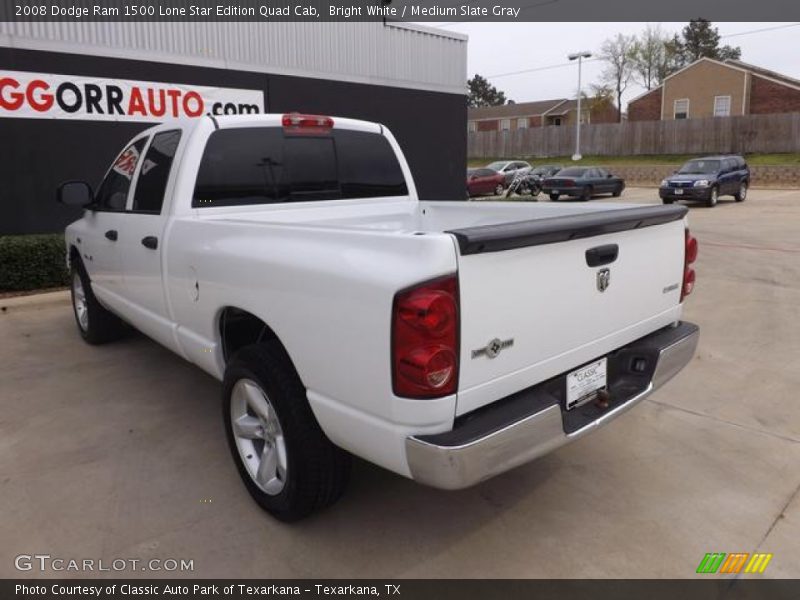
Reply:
x=26, y=95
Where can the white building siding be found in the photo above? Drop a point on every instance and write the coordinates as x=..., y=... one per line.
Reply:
x=399, y=54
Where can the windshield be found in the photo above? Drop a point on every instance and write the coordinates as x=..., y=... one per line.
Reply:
x=497, y=165
x=572, y=172
x=700, y=167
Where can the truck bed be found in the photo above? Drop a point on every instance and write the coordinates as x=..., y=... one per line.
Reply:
x=529, y=277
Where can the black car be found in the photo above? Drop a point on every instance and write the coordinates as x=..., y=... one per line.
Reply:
x=706, y=179
x=582, y=183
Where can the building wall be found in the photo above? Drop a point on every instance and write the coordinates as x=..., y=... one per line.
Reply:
x=489, y=125
x=607, y=113
x=700, y=84
x=770, y=97
x=392, y=54
x=39, y=154
x=647, y=107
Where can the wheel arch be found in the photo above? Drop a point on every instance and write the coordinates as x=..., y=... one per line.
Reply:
x=238, y=327
x=73, y=256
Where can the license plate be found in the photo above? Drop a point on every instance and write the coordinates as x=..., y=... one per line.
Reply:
x=583, y=383
x=679, y=192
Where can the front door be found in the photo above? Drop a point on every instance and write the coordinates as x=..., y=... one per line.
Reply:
x=141, y=250
x=100, y=252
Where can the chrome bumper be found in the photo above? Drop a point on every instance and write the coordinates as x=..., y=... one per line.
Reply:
x=462, y=457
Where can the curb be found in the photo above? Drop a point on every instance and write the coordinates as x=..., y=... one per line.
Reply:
x=35, y=300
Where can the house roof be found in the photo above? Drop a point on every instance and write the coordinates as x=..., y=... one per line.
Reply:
x=563, y=108
x=778, y=77
x=645, y=93
x=521, y=109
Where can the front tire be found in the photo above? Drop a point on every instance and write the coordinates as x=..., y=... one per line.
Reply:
x=498, y=191
x=617, y=192
x=741, y=195
x=713, y=197
x=95, y=324
x=288, y=465
x=586, y=194
x=554, y=197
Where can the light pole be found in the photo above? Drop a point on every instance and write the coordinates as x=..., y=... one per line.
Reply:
x=579, y=56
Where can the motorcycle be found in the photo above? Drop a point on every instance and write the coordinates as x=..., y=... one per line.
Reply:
x=525, y=184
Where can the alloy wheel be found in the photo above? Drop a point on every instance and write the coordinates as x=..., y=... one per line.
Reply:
x=259, y=436
x=79, y=302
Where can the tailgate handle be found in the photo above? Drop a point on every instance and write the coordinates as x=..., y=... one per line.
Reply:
x=602, y=255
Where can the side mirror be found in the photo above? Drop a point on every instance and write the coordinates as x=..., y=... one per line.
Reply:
x=75, y=193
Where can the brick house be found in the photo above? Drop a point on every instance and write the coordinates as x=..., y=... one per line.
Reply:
x=710, y=88
x=560, y=111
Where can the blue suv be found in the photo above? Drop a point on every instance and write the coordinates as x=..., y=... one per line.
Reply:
x=706, y=179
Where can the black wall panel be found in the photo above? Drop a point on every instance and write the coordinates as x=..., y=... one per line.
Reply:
x=38, y=154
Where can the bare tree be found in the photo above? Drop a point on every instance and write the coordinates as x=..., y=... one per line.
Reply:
x=617, y=53
x=649, y=57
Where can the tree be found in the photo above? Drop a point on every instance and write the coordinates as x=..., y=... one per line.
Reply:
x=650, y=57
x=481, y=93
x=700, y=40
x=617, y=53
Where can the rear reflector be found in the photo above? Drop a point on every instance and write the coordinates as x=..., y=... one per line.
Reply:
x=425, y=330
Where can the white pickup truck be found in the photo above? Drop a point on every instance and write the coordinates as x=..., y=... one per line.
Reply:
x=289, y=257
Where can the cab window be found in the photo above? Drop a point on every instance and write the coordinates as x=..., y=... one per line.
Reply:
x=112, y=195
x=151, y=184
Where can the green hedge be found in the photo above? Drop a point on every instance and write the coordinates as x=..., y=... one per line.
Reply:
x=32, y=262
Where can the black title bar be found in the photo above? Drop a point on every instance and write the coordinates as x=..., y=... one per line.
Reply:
x=398, y=10
x=711, y=588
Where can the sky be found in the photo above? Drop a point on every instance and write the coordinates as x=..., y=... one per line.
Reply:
x=498, y=48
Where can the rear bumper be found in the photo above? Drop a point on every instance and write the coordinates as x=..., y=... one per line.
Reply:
x=531, y=423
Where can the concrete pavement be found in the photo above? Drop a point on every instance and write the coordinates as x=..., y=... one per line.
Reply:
x=119, y=452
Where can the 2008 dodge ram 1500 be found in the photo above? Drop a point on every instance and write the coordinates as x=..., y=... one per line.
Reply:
x=289, y=256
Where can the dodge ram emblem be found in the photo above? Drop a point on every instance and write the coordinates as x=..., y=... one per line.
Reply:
x=493, y=348
x=603, y=279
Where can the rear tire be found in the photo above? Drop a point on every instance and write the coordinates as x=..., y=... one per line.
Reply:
x=586, y=194
x=713, y=197
x=741, y=195
x=498, y=191
x=95, y=324
x=266, y=400
x=668, y=200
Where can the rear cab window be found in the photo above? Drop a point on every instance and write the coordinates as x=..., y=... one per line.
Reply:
x=263, y=165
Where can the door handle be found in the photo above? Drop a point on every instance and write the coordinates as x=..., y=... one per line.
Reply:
x=111, y=234
x=602, y=255
x=150, y=241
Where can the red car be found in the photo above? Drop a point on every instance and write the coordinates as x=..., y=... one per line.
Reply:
x=485, y=181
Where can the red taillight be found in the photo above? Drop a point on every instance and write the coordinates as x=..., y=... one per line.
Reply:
x=690, y=255
x=425, y=340
x=298, y=123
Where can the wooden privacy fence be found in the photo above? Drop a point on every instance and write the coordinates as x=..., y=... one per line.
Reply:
x=750, y=133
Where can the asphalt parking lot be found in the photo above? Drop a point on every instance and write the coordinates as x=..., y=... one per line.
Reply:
x=119, y=452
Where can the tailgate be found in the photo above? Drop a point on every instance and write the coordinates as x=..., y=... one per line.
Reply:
x=559, y=292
